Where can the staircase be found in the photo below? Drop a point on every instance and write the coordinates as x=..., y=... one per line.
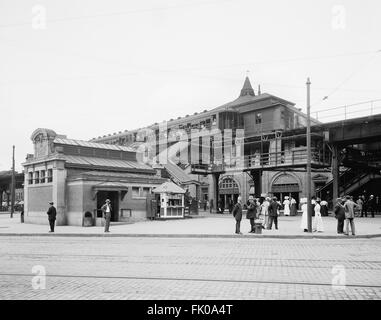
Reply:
x=349, y=181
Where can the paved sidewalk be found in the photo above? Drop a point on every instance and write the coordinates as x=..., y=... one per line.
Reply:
x=204, y=226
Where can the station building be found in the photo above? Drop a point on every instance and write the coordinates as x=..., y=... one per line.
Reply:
x=274, y=138
x=78, y=176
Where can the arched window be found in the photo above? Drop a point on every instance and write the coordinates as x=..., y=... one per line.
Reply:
x=228, y=183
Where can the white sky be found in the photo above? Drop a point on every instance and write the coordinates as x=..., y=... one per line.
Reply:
x=105, y=66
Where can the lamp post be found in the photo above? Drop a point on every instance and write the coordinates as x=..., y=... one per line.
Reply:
x=13, y=183
x=308, y=177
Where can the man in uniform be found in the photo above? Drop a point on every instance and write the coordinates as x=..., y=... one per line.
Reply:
x=52, y=213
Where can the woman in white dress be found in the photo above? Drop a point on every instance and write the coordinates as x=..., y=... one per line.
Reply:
x=286, y=204
x=318, y=221
x=304, y=222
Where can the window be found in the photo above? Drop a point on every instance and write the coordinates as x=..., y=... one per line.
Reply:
x=30, y=177
x=146, y=192
x=42, y=176
x=258, y=118
x=50, y=175
x=139, y=192
x=135, y=192
x=37, y=177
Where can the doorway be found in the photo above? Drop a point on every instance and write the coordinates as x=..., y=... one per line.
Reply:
x=114, y=198
x=280, y=196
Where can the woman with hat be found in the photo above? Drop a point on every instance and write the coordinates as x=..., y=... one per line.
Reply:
x=304, y=222
x=286, y=204
x=318, y=221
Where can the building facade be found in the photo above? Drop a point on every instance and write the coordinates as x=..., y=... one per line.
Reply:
x=78, y=176
x=267, y=157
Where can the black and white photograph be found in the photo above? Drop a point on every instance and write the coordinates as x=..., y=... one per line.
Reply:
x=205, y=151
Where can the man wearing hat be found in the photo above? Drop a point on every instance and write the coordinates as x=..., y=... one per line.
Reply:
x=237, y=214
x=52, y=213
x=106, y=211
x=273, y=213
x=251, y=212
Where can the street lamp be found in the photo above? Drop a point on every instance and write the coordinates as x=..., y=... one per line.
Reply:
x=308, y=177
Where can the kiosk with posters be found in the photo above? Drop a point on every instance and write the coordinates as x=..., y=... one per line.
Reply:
x=171, y=200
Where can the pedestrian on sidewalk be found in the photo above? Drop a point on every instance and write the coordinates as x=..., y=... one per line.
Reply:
x=237, y=214
x=339, y=215
x=360, y=205
x=106, y=212
x=349, y=208
x=324, y=208
x=364, y=211
x=304, y=222
x=372, y=205
x=273, y=213
x=52, y=214
x=318, y=221
x=251, y=212
x=286, y=204
x=293, y=209
x=265, y=212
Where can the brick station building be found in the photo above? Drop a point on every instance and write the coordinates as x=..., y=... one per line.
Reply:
x=78, y=176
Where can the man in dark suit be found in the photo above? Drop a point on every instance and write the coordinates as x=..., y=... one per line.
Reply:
x=237, y=214
x=339, y=215
x=106, y=210
x=273, y=213
x=52, y=214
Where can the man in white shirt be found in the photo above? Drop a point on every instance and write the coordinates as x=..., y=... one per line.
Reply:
x=106, y=210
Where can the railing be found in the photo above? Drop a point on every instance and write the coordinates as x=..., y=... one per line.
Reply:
x=294, y=157
x=291, y=157
x=362, y=109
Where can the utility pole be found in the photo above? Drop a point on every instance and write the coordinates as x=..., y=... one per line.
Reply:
x=13, y=183
x=308, y=177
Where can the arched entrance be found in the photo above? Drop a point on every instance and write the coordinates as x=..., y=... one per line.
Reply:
x=229, y=192
x=286, y=185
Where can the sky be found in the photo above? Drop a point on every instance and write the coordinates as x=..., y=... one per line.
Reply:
x=93, y=67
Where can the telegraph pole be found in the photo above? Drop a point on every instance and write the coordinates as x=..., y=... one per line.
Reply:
x=13, y=183
x=308, y=177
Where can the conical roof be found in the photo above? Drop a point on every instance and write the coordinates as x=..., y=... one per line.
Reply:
x=168, y=187
x=247, y=89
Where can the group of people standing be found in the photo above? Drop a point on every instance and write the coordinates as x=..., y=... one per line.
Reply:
x=370, y=205
x=317, y=222
x=267, y=212
x=345, y=211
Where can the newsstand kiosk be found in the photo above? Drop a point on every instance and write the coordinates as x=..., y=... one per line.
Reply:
x=171, y=200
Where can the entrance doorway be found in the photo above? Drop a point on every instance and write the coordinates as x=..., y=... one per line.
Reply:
x=280, y=196
x=114, y=198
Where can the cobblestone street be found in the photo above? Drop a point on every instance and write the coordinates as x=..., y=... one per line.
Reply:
x=184, y=268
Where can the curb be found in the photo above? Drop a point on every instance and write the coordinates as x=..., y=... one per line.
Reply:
x=216, y=236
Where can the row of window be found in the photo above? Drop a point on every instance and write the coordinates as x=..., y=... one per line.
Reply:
x=42, y=176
